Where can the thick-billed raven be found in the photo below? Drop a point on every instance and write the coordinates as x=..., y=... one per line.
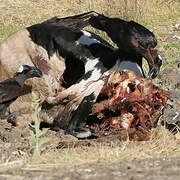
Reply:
x=12, y=88
x=131, y=38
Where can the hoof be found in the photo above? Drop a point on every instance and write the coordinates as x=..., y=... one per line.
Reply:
x=51, y=100
x=81, y=133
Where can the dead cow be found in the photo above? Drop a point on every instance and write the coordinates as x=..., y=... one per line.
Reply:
x=80, y=58
x=35, y=46
x=12, y=88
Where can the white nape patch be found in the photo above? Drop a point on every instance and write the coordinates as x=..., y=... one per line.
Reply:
x=131, y=66
x=160, y=57
x=86, y=39
x=90, y=64
x=21, y=69
x=96, y=74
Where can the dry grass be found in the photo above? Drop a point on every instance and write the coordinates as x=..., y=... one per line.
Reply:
x=16, y=14
x=162, y=144
x=158, y=15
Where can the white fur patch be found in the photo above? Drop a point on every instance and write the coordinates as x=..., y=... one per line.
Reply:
x=96, y=74
x=131, y=66
x=21, y=69
x=84, y=134
x=50, y=99
x=86, y=39
x=90, y=64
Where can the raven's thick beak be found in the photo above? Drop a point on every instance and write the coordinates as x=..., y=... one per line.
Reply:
x=37, y=72
x=153, y=73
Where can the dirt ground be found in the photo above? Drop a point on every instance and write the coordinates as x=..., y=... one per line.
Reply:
x=17, y=162
x=163, y=168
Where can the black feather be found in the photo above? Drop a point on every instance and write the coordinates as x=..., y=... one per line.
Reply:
x=78, y=21
x=130, y=37
x=12, y=88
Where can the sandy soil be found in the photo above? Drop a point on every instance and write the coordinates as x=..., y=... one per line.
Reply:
x=163, y=168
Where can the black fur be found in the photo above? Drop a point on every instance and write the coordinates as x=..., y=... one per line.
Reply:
x=76, y=124
x=63, y=40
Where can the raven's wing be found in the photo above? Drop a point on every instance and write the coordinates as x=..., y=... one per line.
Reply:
x=9, y=90
x=99, y=22
x=78, y=21
x=144, y=36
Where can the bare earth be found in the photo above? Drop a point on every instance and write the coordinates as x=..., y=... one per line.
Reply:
x=163, y=168
x=138, y=160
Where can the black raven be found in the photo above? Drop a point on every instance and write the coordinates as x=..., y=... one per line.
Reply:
x=12, y=88
x=131, y=38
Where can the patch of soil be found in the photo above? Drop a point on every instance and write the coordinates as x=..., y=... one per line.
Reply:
x=161, y=168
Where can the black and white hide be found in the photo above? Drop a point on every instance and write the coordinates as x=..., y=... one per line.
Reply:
x=33, y=46
x=12, y=88
x=78, y=59
x=131, y=38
